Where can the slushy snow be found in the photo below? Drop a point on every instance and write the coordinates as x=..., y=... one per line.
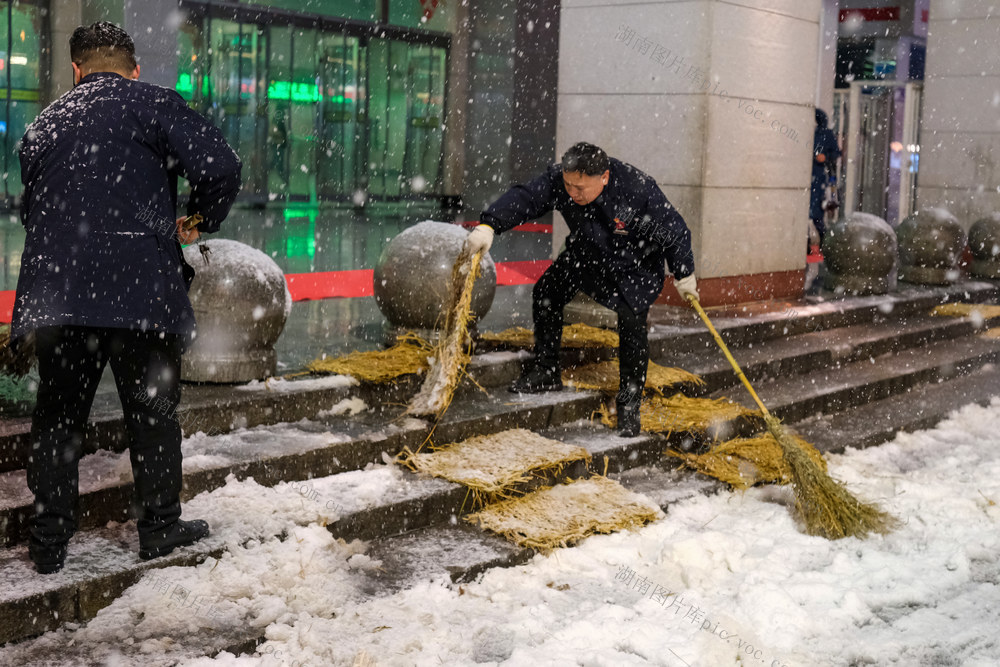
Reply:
x=726, y=579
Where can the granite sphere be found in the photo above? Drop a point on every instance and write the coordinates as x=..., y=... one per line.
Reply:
x=241, y=302
x=413, y=276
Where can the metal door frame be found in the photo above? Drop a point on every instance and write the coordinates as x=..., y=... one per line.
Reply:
x=910, y=140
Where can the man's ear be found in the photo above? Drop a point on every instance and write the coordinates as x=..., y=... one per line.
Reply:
x=135, y=73
x=76, y=73
x=605, y=176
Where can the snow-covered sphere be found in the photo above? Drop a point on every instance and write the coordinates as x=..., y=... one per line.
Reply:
x=241, y=302
x=413, y=276
x=931, y=242
x=860, y=255
x=984, y=243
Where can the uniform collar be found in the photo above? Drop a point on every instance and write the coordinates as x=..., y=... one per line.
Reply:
x=94, y=76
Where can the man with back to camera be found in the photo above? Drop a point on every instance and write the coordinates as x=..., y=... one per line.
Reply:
x=623, y=236
x=103, y=280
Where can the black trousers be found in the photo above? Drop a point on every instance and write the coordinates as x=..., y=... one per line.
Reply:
x=146, y=366
x=568, y=275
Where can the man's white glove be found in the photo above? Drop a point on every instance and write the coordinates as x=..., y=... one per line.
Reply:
x=480, y=238
x=687, y=286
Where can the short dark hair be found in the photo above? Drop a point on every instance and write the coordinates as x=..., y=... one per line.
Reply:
x=102, y=46
x=586, y=158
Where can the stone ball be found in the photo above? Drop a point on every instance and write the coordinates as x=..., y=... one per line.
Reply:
x=241, y=302
x=984, y=243
x=413, y=276
x=860, y=254
x=931, y=242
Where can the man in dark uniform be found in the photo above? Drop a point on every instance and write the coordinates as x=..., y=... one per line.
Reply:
x=623, y=236
x=825, y=154
x=103, y=280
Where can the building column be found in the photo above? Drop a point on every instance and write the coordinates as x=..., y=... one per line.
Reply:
x=153, y=25
x=960, y=123
x=715, y=100
x=65, y=18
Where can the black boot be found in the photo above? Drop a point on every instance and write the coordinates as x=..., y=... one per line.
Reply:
x=537, y=380
x=162, y=541
x=48, y=558
x=629, y=423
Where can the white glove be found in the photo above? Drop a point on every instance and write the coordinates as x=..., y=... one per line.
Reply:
x=480, y=238
x=687, y=287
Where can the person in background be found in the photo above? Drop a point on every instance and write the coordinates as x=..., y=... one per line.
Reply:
x=103, y=280
x=825, y=154
x=624, y=236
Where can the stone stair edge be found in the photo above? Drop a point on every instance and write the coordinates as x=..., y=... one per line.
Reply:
x=430, y=507
x=109, y=501
x=490, y=369
x=846, y=386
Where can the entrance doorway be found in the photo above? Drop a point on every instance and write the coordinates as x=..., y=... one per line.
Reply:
x=317, y=113
x=880, y=122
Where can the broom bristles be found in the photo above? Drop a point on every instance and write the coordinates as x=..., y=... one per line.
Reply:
x=825, y=505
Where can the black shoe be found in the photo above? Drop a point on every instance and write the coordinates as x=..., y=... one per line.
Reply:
x=178, y=534
x=629, y=423
x=47, y=558
x=537, y=380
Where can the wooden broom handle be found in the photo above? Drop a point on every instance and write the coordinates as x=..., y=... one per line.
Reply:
x=725, y=351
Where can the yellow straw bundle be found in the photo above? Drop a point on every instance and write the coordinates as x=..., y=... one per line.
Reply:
x=452, y=353
x=562, y=515
x=744, y=462
x=574, y=336
x=978, y=310
x=494, y=466
x=666, y=414
x=604, y=376
x=408, y=356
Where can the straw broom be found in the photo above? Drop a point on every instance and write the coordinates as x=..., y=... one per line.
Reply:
x=452, y=351
x=825, y=505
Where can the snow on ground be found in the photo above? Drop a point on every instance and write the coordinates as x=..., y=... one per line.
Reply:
x=721, y=580
x=281, y=385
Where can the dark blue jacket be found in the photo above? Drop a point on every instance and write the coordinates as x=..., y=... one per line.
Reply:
x=825, y=142
x=100, y=168
x=631, y=228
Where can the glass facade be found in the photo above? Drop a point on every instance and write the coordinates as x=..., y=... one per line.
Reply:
x=317, y=109
x=21, y=71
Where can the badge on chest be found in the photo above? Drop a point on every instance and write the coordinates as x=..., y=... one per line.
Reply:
x=623, y=219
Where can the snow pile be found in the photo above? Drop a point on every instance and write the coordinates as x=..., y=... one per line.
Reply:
x=726, y=580
x=721, y=580
x=281, y=385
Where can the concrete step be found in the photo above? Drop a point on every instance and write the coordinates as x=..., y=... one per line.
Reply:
x=103, y=561
x=791, y=355
x=450, y=550
x=217, y=409
x=338, y=447
x=303, y=451
x=919, y=407
x=680, y=330
x=845, y=385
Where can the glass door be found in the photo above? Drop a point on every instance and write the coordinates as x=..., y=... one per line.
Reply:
x=317, y=111
x=387, y=116
x=425, y=83
x=338, y=168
